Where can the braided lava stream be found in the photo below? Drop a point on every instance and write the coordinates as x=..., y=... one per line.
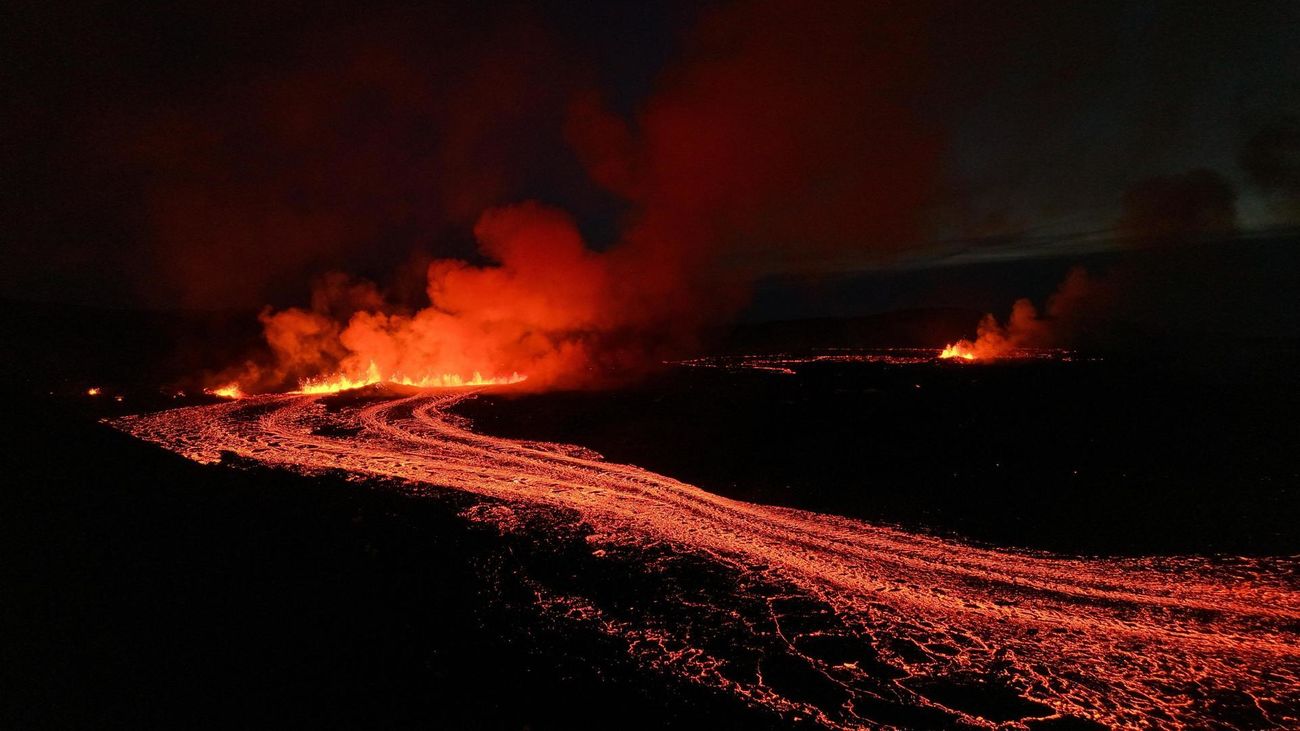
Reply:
x=900, y=627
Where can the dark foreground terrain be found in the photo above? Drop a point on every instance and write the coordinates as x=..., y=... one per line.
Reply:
x=143, y=590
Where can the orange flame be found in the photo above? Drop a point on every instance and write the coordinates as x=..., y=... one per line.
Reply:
x=93, y=391
x=372, y=375
x=230, y=390
x=962, y=350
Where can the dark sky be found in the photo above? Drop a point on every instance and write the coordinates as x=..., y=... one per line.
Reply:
x=225, y=154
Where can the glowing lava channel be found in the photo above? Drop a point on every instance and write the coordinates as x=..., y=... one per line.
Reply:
x=1150, y=642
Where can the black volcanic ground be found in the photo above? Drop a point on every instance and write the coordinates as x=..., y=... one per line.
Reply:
x=1169, y=453
x=142, y=589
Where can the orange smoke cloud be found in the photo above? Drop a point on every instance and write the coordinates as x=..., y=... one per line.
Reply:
x=534, y=312
x=546, y=308
x=761, y=152
x=1026, y=327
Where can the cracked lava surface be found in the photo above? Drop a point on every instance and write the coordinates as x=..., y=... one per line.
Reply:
x=884, y=627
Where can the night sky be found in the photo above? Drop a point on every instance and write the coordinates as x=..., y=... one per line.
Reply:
x=847, y=159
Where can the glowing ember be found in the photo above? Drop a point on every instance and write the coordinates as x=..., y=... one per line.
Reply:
x=1142, y=642
x=230, y=391
x=344, y=382
x=93, y=391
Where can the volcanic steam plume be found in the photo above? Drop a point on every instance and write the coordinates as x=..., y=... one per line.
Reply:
x=757, y=153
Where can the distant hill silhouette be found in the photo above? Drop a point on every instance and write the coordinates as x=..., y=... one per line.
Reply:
x=911, y=328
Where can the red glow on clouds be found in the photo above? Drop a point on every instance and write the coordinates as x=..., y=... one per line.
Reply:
x=757, y=153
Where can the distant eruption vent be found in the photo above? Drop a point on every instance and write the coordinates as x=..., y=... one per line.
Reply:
x=1026, y=327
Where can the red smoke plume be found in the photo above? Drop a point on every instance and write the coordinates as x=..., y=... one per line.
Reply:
x=784, y=138
x=1026, y=327
x=1161, y=212
x=351, y=148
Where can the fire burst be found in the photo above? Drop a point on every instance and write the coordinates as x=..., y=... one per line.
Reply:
x=230, y=391
x=962, y=349
x=1177, y=642
x=344, y=382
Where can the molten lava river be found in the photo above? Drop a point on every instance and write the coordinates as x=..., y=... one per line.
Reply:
x=838, y=622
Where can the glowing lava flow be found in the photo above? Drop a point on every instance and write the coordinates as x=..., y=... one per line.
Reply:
x=789, y=364
x=1166, y=642
x=344, y=382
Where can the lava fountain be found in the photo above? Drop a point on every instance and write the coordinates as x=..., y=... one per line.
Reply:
x=230, y=391
x=962, y=350
x=1180, y=641
x=372, y=376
